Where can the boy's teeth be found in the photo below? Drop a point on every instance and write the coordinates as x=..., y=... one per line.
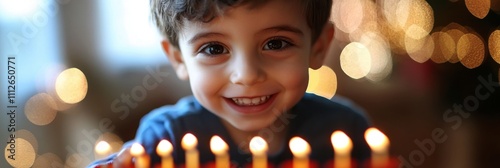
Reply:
x=250, y=101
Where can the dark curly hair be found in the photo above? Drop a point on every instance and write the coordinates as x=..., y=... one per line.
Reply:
x=169, y=14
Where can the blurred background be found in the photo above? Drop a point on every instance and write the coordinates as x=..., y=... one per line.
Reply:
x=425, y=72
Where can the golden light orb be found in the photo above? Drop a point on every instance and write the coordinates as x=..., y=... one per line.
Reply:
x=478, y=8
x=40, y=109
x=355, y=60
x=471, y=50
x=494, y=45
x=71, y=85
x=322, y=82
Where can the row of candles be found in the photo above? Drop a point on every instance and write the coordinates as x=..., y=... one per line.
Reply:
x=342, y=146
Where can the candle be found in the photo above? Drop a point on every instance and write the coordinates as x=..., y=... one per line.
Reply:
x=219, y=148
x=258, y=147
x=102, y=149
x=379, y=144
x=301, y=150
x=342, y=145
x=141, y=159
x=164, y=150
x=189, y=143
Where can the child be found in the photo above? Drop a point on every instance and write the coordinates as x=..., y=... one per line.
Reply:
x=247, y=63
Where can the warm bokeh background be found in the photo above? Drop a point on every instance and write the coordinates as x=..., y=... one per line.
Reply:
x=87, y=70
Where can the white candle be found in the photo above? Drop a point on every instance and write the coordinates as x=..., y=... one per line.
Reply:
x=164, y=150
x=220, y=148
x=342, y=145
x=189, y=143
x=258, y=147
x=379, y=144
x=300, y=150
x=141, y=158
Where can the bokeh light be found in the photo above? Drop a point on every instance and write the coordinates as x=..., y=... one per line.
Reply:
x=415, y=17
x=74, y=160
x=347, y=14
x=478, y=8
x=381, y=59
x=28, y=136
x=355, y=60
x=25, y=154
x=456, y=31
x=71, y=85
x=424, y=52
x=114, y=141
x=102, y=149
x=471, y=50
x=48, y=160
x=40, y=110
x=494, y=45
x=444, y=47
x=322, y=81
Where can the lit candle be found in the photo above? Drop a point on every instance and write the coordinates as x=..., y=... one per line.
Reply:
x=301, y=150
x=102, y=149
x=141, y=158
x=189, y=143
x=258, y=147
x=379, y=144
x=342, y=145
x=164, y=150
x=219, y=148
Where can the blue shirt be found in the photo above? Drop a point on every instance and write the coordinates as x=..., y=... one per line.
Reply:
x=313, y=118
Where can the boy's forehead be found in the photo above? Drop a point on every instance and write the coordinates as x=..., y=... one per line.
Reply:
x=283, y=10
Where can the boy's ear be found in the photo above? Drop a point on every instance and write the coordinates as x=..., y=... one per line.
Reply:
x=321, y=46
x=174, y=55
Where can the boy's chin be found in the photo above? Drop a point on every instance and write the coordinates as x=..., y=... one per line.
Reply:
x=253, y=127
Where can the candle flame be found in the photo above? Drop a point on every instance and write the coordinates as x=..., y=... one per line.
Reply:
x=189, y=142
x=377, y=141
x=341, y=142
x=299, y=147
x=137, y=150
x=258, y=146
x=164, y=148
x=218, y=146
x=102, y=148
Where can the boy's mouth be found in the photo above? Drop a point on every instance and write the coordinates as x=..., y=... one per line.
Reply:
x=251, y=101
x=251, y=105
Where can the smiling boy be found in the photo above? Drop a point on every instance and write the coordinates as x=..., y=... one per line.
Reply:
x=247, y=64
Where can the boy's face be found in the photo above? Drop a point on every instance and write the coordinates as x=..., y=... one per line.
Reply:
x=250, y=64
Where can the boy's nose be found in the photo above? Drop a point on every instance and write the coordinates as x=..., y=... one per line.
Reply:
x=247, y=72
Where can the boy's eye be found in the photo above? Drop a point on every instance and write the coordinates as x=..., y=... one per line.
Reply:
x=214, y=49
x=276, y=44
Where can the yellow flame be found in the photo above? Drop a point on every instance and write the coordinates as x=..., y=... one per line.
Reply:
x=258, y=146
x=218, y=146
x=377, y=141
x=341, y=143
x=164, y=148
x=189, y=142
x=299, y=147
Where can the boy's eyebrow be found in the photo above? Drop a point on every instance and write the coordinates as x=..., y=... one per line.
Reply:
x=203, y=35
x=285, y=28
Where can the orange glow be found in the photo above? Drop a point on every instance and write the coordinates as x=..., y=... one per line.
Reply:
x=471, y=50
x=164, y=148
